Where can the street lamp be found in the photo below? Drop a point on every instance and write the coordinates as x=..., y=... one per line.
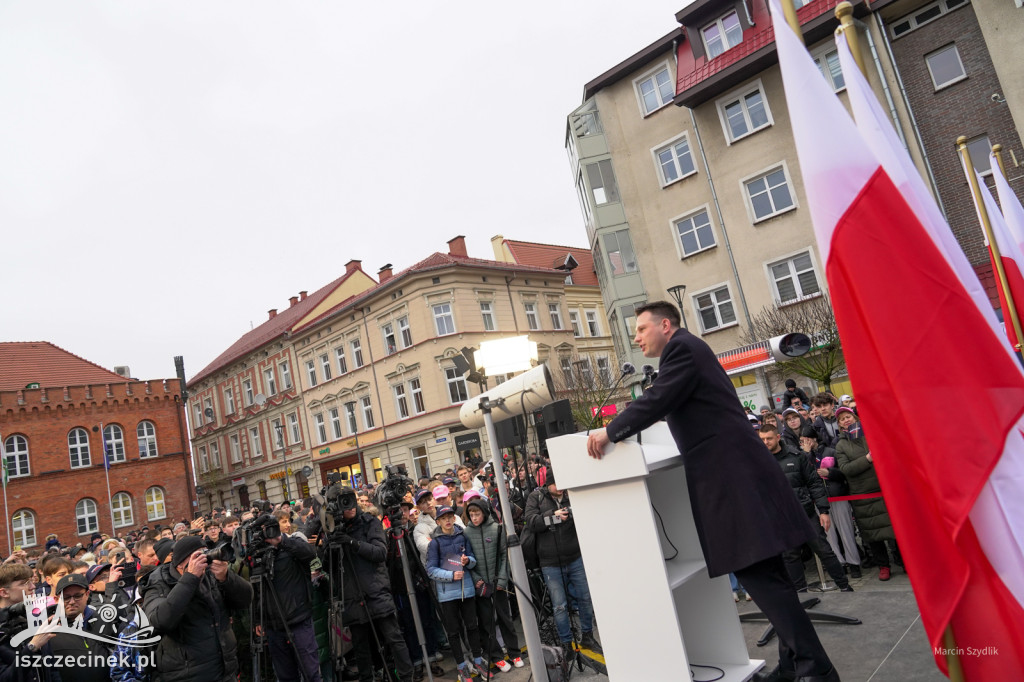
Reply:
x=279, y=428
x=677, y=293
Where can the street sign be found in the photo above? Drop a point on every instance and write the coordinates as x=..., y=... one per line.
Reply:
x=467, y=441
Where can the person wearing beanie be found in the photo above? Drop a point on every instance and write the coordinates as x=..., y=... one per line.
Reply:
x=793, y=391
x=188, y=603
x=793, y=423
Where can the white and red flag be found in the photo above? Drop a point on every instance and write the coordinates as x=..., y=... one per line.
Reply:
x=916, y=341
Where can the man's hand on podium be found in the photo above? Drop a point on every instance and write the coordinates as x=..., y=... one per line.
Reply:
x=597, y=442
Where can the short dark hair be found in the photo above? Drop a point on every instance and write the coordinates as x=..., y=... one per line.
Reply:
x=822, y=399
x=768, y=427
x=660, y=310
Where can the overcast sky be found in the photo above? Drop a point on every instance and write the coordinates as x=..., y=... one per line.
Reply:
x=169, y=171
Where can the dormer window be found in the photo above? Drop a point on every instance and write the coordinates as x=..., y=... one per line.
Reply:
x=725, y=33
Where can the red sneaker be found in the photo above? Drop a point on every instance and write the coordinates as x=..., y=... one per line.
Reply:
x=884, y=573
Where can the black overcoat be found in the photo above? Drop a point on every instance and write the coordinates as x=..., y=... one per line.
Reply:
x=743, y=507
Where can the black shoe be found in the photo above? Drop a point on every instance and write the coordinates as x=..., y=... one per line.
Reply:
x=419, y=673
x=588, y=642
x=830, y=676
x=568, y=651
x=846, y=588
x=773, y=675
x=855, y=571
x=436, y=669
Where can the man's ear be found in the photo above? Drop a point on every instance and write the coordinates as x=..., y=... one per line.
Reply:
x=5, y=593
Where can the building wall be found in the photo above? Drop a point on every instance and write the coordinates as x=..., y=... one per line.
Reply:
x=1000, y=24
x=45, y=417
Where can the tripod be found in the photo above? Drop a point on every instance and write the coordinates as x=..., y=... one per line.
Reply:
x=261, y=578
x=398, y=535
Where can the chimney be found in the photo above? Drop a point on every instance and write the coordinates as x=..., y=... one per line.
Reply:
x=384, y=274
x=353, y=265
x=457, y=247
x=272, y=313
x=302, y=295
x=292, y=301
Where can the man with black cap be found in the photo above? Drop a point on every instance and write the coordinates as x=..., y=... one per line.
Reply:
x=104, y=589
x=73, y=592
x=187, y=604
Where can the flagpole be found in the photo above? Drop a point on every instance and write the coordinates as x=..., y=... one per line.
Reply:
x=790, y=11
x=956, y=670
x=997, y=150
x=7, y=517
x=844, y=13
x=972, y=179
x=106, y=472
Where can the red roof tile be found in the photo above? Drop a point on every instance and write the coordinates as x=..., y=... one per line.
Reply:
x=25, y=362
x=533, y=253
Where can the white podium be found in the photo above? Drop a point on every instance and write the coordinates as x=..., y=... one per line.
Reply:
x=655, y=617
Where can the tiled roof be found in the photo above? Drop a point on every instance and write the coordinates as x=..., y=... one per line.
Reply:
x=435, y=261
x=532, y=253
x=26, y=362
x=269, y=330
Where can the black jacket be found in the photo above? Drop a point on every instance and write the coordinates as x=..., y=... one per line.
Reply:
x=10, y=625
x=365, y=579
x=557, y=543
x=292, y=583
x=828, y=431
x=787, y=397
x=835, y=482
x=191, y=616
x=801, y=474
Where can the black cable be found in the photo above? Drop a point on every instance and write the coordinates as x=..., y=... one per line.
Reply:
x=667, y=538
x=721, y=673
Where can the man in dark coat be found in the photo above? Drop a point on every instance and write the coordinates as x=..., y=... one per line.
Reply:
x=744, y=510
x=288, y=617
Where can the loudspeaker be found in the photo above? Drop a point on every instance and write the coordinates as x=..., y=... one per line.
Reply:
x=558, y=419
x=510, y=433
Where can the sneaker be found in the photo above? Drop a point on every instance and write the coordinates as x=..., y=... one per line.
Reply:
x=884, y=573
x=464, y=674
x=588, y=642
x=846, y=588
x=437, y=658
x=518, y=662
x=481, y=668
x=504, y=666
x=736, y=597
x=436, y=669
x=855, y=571
x=749, y=598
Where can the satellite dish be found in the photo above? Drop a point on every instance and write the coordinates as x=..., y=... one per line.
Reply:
x=208, y=412
x=307, y=471
x=260, y=399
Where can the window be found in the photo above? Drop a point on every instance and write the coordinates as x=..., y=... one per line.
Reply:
x=980, y=148
x=628, y=315
x=321, y=428
x=16, y=456
x=325, y=366
x=593, y=326
x=602, y=182
x=339, y=356
x=531, y=315
x=655, y=90
x=204, y=460
x=113, y=443
x=769, y=194
x=457, y=391
x=401, y=403
x=694, y=233
x=794, y=278
x=121, y=506
x=350, y=414
x=229, y=401
x=574, y=321
x=725, y=33
x=443, y=320
x=311, y=372
x=744, y=112
x=335, y=423
x=405, y=331
x=620, y=253
x=78, y=448
x=197, y=411
x=417, y=396
x=420, y=462
x=390, y=341
x=23, y=523
x=923, y=16
x=565, y=364
x=247, y=390
x=208, y=408
x=586, y=372
x=286, y=375
x=269, y=381
x=357, y=352
x=215, y=455
x=945, y=67
x=85, y=513
x=293, y=429
x=155, y=508
x=255, y=442
x=828, y=64
x=714, y=308
x=674, y=161
x=278, y=428
x=604, y=370
x=235, y=446
x=556, y=315
x=487, y=313
x=367, y=411
x=145, y=433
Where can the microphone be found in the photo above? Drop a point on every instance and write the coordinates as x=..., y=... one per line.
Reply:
x=627, y=369
x=649, y=376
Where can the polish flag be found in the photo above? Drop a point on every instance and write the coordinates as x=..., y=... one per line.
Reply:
x=1013, y=212
x=915, y=342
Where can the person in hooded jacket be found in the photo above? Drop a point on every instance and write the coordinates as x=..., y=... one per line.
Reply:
x=490, y=577
x=794, y=424
x=188, y=606
x=823, y=459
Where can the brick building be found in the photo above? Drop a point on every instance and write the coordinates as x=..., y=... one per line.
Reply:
x=57, y=411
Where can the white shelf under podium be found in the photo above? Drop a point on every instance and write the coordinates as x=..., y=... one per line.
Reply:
x=656, y=617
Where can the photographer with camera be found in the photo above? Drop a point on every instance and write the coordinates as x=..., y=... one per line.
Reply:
x=187, y=604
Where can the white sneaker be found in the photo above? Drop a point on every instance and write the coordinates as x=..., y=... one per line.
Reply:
x=503, y=666
x=518, y=662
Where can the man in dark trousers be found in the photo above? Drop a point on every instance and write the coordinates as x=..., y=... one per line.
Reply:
x=744, y=509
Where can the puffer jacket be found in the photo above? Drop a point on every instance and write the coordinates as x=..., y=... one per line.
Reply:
x=424, y=531
x=871, y=515
x=835, y=481
x=488, y=540
x=191, y=616
x=444, y=558
x=806, y=483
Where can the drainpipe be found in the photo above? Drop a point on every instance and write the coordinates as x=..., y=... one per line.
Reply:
x=508, y=287
x=376, y=386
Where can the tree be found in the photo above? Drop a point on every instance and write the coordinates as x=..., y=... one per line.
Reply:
x=816, y=319
x=585, y=387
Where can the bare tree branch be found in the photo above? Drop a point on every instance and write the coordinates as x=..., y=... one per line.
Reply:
x=585, y=387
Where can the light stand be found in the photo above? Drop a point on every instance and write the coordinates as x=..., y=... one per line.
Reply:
x=399, y=537
x=284, y=453
x=520, y=578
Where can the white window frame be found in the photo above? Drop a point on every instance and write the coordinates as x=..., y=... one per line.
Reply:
x=690, y=215
x=367, y=408
x=625, y=262
x=247, y=391
x=404, y=331
x=156, y=507
x=720, y=24
x=532, y=320
x=456, y=385
x=671, y=145
x=821, y=61
x=120, y=506
x=609, y=186
x=147, y=439
x=912, y=19
x=286, y=375
x=204, y=460
x=270, y=381
x=277, y=434
x=23, y=524
x=82, y=450
x=356, y=345
x=574, y=322
x=712, y=290
x=229, y=400
x=986, y=157
x=593, y=323
x=294, y=433
x=215, y=455
x=91, y=518
x=740, y=94
x=764, y=172
x=339, y=357
x=325, y=365
x=235, y=446
x=387, y=331
x=652, y=76
x=444, y=318
x=604, y=370
x=959, y=60
x=321, y=428
x=113, y=441
x=555, y=312
x=401, y=401
x=416, y=392
x=16, y=456
x=789, y=258
x=311, y=377
x=487, y=315
x=351, y=419
x=255, y=442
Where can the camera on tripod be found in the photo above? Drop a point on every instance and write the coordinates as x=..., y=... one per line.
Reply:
x=250, y=538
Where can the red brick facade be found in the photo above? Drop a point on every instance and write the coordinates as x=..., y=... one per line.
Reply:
x=52, y=489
